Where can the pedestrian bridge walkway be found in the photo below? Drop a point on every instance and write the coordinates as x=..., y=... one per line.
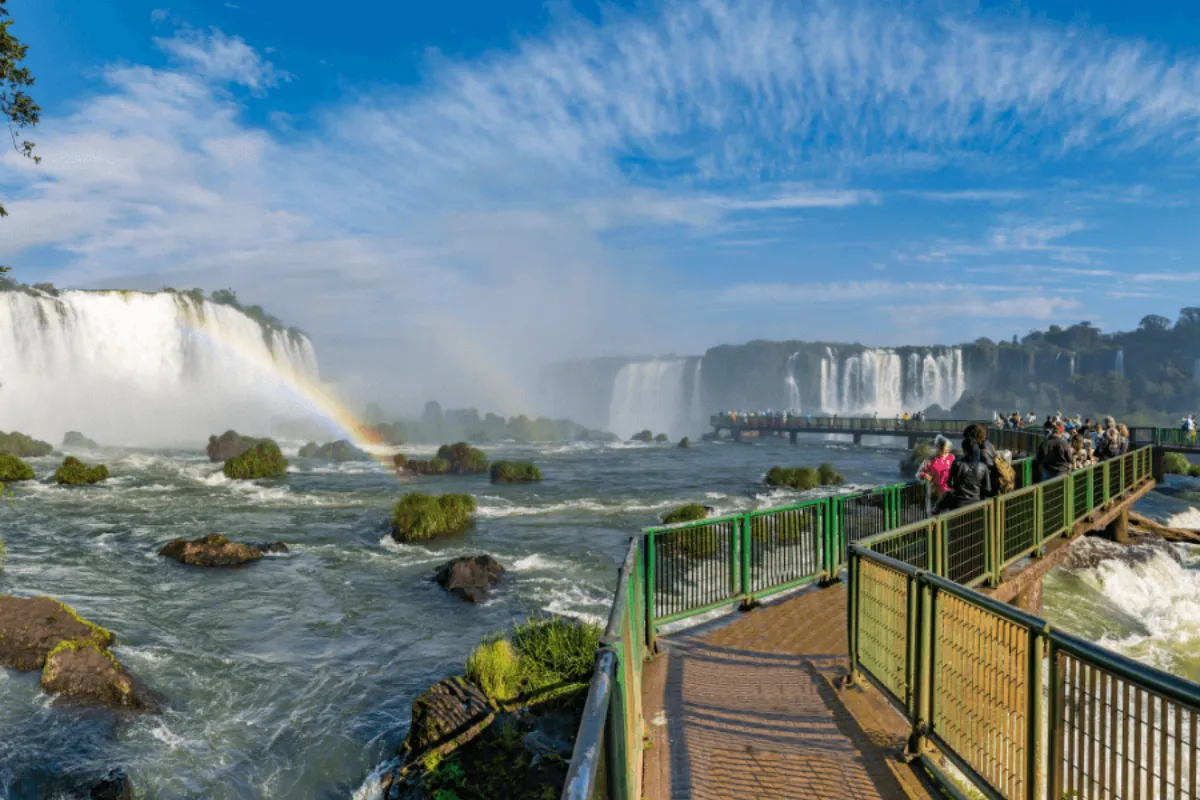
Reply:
x=753, y=706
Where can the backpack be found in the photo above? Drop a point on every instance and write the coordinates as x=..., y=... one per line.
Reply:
x=1005, y=474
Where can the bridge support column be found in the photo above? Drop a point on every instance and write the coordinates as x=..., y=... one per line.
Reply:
x=1158, y=464
x=793, y=436
x=912, y=442
x=1118, y=529
x=858, y=438
x=736, y=434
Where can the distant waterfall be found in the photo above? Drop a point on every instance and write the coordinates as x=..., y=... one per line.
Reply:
x=143, y=367
x=1196, y=371
x=698, y=417
x=1119, y=364
x=877, y=381
x=649, y=394
x=793, y=389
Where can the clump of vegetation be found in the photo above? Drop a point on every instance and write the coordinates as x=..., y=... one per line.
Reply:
x=685, y=513
x=1194, y=470
x=662, y=437
x=464, y=459
x=434, y=466
x=400, y=461
x=515, y=472
x=1176, y=464
x=642, y=436
x=263, y=460
x=799, y=478
x=18, y=444
x=493, y=667
x=829, y=476
x=14, y=469
x=74, y=472
x=685, y=443
x=227, y=445
x=555, y=655
x=915, y=458
x=419, y=517
x=341, y=450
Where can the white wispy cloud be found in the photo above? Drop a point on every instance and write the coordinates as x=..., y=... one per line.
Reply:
x=218, y=57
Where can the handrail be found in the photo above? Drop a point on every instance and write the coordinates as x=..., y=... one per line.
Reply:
x=587, y=755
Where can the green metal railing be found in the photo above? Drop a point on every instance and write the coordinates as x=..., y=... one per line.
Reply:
x=864, y=424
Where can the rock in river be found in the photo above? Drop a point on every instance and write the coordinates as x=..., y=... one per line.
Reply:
x=216, y=550
x=471, y=578
x=84, y=671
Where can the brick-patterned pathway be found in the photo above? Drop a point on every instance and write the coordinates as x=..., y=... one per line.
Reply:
x=755, y=711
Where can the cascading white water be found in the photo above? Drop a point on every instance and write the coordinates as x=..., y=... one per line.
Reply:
x=697, y=416
x=648, y=394
x=140, y=367
x=793, y=389
x=876, y=381
x=1119, y=365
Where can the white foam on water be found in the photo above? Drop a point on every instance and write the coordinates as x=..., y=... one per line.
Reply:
x=538, y=561
x=1185, y=519
x=372, y=787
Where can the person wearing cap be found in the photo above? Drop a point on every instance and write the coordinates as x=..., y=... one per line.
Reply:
x=1054, y=455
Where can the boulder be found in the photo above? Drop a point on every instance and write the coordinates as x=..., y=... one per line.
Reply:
x=113, y=786
x=74, y=472
x=213, y=550
x=341, y=450
x=470, y=578
x=14, y=469
x=86, y=672
x=77, y=439
x=228, y=445
x=447, y=715
x=32, y=627
x=263, y=460
x=515, y=472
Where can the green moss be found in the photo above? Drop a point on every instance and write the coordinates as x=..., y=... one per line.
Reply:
x=74, y=472
x=829, y=476
x=419, y=517
x=662, y=437
x=18, y=444
x=1176, y=464
x=515, y=472
x=263, y=460
x=685, y=513
x=799, y=478
x=14, y=469
x=463, y=459
x=102, y=637
x=494, y=667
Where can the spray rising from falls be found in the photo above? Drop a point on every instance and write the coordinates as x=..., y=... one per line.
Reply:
x=134, y=367
x=649, y=394
x=884, y=382
x=697, y=416
x=793, y=389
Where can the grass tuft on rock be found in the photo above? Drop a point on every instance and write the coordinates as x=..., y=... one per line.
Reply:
x=685, y=513
x=829, y=476
x=13, y=469
x=419, y=517
x=685, y=443
x=1176, y=464
x=515, y=472
x=556, y=655
x=494, y=667
x=463, y=459
x=662, y=437
x=434, y=466
x=263, y=460
x=798, y=478
x=74, y=472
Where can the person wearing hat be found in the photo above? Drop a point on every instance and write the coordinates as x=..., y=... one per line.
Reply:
x=1054, y=455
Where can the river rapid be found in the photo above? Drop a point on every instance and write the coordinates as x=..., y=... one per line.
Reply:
x=293, y=677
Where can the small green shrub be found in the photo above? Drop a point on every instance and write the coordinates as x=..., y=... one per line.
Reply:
x=515, y=472
x=662, y=437
x=685, y=443
x=1176, y=464
x=685, y=513
x=1194, y=470
x=799, y=478
x=915, y=458
x=14, y=469
x=18, y=444
x=74, y=472
x=263, y=460
x=829, y=476
x=434, y=466
x=493, y=667
x=341, y=450
x=419, y=517
x=556, y=653
x=463, y=459
x=642, y=436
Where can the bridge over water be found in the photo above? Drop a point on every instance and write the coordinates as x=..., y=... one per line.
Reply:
x=878, y=656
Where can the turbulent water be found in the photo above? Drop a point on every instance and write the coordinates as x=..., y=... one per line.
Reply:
x=142, y=366
x=650, y=394
x=293, y=677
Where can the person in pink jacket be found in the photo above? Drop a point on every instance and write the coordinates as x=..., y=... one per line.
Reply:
x=936, y=469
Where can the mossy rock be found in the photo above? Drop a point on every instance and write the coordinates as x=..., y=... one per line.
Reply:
x=515, y=472
x=341, y=450
x=661, y=438
x=463, y=459
x=685, y=443
x=434, y=466
x=263, y=460
x=642, y=436
x=213, y=550
x=400, y=461
x=830, y=476
x=1176, y=464
x=84, y=671
x=1194, y=470
x=18, y=444
x=30, y=628
x=798, y=478
x=77, y=439
x=420, y=517
x=685, y=513
x=74, y=472
x=702, y=542
x=228, y=445
x=14, y=469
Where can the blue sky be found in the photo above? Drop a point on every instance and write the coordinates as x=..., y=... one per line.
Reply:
x=487, y=186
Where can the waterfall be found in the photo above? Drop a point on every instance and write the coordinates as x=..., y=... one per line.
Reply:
x=1119, y=365
x=648, y=394
x=793, y=390
x=698, y=417
x=1196, y=371
x=143, y=367
x=880, y=381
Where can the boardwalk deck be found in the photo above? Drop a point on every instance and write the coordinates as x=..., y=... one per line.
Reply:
x=753, y=708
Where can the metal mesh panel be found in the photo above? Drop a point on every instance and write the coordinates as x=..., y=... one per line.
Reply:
x=980, y=691
x=1098, y=485
x=966, y=532
x=692, y=567
x=785, y=546
x=1114, y=739
x=1114, y=478
x=1056, y=517
x=1019, y=512
x=908, y=545
x=862, y=515
x=883, y=626
x=913, y=503
x=1079, y=493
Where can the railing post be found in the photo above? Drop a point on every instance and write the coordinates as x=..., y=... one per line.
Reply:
x=1039, y=527
x=735, y=560
x=853, y=565
x=922, y=685
x=648, y=552
x=1054, y=788
x=1034, y=774
x=995, y=535
x=747, y=589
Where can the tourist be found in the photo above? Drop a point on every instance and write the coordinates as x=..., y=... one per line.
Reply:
x=936, y=469
x=1054, y=457
x=970, y=480
x=1122, y=439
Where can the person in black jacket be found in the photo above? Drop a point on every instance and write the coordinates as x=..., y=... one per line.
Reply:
x=970, y=479
x=1054, y=456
